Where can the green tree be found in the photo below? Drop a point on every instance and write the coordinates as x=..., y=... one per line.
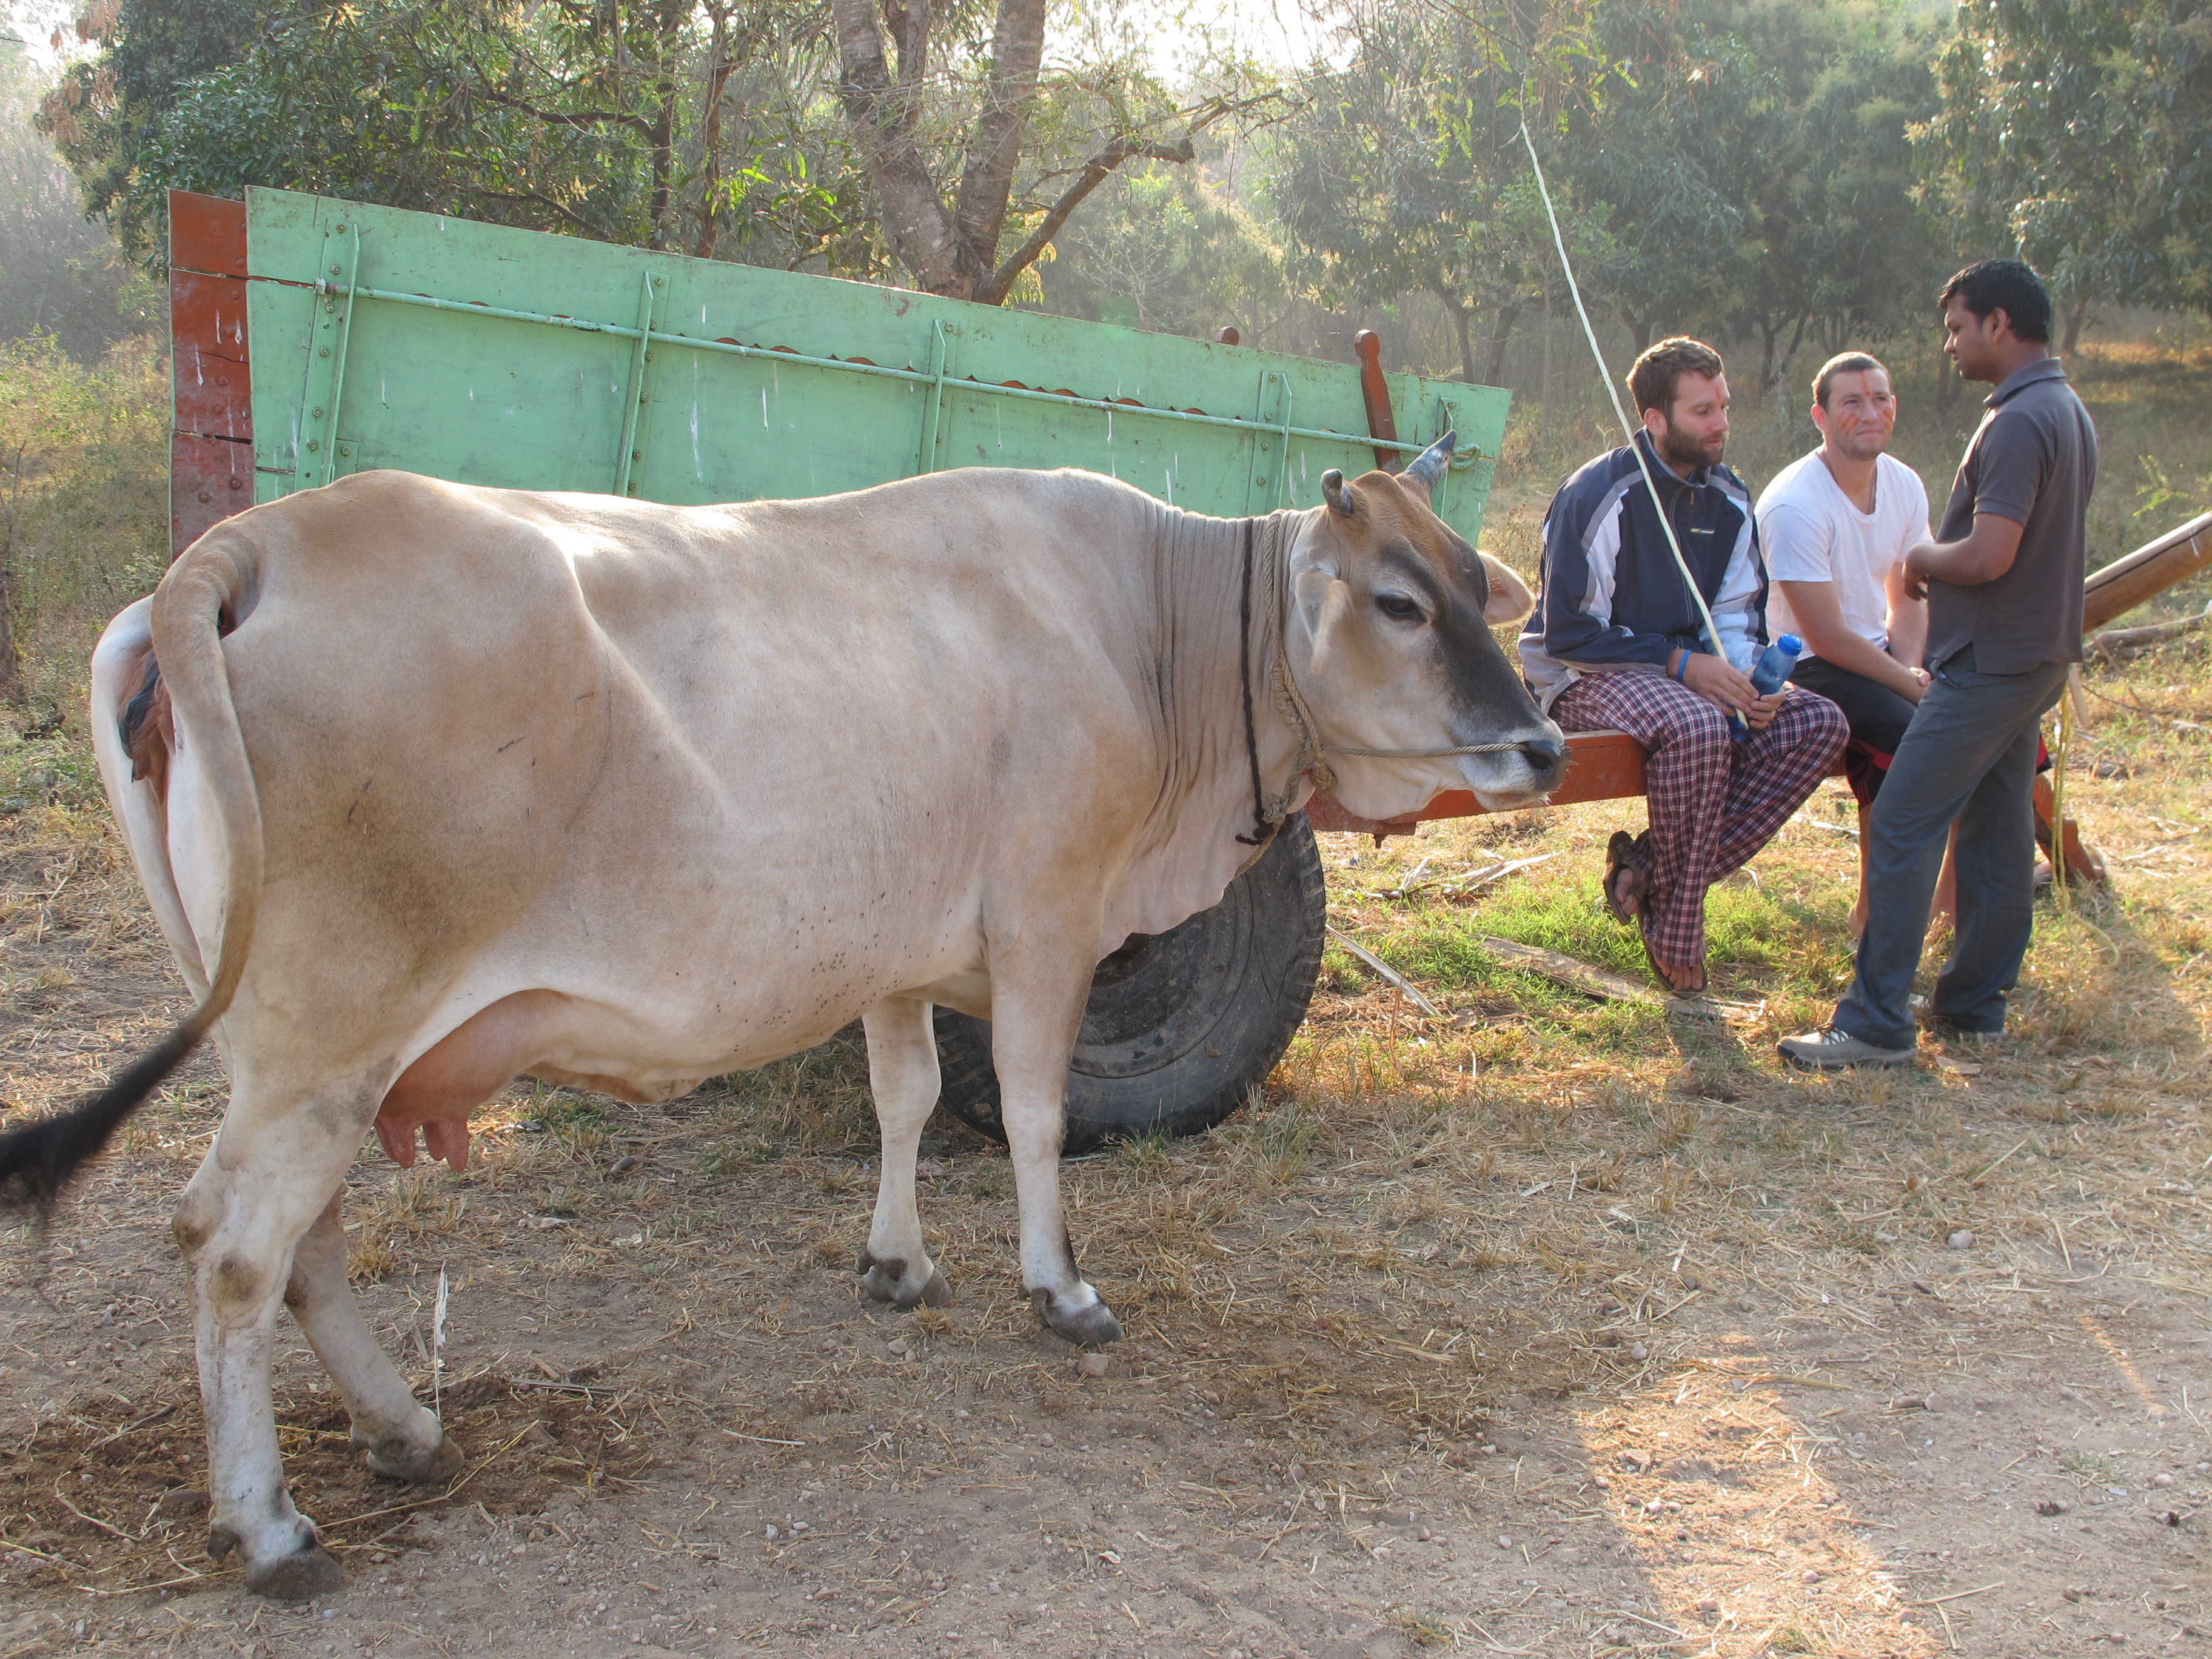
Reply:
x=1756, y=158
x=60, y=274
x=661, y=123
x=951, y=108
x=2080, y=132
x=1407, y=172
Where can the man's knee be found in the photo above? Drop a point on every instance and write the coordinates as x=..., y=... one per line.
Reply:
x=1693, y=723
x=1820, y=723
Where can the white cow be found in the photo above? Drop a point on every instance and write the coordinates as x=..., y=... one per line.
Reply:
x=432, y=787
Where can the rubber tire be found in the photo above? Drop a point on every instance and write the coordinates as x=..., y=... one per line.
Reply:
x=1180, y=1024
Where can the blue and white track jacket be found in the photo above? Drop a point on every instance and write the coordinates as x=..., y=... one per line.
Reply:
x=1611, y=600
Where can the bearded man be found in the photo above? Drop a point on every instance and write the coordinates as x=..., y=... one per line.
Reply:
x=1616, y=640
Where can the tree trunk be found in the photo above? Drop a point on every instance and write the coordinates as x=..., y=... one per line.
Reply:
x=1461, y=317
x=921, y=232
x=663, y=141
x=1544, y=391
x=1500, y=332
x=2075, y=318
x=710, y=131
x=995, y=143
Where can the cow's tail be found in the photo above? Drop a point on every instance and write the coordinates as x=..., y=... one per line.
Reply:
x=200, y=600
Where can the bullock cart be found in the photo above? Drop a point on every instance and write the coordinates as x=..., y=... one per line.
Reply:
x=315, y=338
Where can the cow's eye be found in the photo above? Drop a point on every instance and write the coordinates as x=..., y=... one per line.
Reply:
x=1398, y=607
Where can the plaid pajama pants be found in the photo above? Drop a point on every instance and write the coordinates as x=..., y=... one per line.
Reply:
x=1713, y=802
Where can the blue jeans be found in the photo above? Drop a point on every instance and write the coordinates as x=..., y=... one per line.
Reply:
x=1969, y=756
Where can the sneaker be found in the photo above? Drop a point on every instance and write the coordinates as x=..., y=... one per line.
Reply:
x=1944, y=1029
x=1829, y=1049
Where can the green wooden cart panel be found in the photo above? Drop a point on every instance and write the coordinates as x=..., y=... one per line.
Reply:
x=516, y=358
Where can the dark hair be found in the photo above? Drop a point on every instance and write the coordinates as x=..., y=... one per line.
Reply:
x=2008, y=285
x=1651, y=379
x=1843, y=362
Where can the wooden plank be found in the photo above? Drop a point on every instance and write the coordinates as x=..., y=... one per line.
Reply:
x=207, y=235
x=210, y=479
x=463, y=394
x=2148, y=571
x=211, y=417
x=1600, y=766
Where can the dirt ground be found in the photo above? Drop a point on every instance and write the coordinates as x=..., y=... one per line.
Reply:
x=1549, y=1327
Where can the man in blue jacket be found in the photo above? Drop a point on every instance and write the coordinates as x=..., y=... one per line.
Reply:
x=1616, y=641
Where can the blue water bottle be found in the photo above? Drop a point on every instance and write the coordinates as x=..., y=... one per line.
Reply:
x=1768, y=673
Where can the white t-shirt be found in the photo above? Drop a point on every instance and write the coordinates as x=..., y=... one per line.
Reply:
x=1811, y=532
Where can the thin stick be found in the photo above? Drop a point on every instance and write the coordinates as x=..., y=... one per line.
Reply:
x=1960, y=1595
x=1388, y=974
x=1696, y=594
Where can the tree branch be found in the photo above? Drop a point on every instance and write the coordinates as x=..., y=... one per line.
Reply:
x=1093, y=173
x=580, y=119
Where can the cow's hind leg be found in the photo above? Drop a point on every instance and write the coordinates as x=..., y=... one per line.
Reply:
x=261, y=1185
x=1034, y=1019
x=903, y=1076
x=402, y=1439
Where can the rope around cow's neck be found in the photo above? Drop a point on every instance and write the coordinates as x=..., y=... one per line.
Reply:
x=1270, y=809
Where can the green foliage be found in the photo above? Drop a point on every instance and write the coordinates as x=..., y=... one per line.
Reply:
x=2081, y=132
x=59, y=274
x=83, y=498
x=656, y=122
x=1756, y=158
x=1407, y=171
x=1162, y=248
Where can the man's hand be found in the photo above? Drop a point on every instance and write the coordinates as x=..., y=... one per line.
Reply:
x=1913, y=573
x=1718, y=682
x=1761, y=714
x=1985, y=554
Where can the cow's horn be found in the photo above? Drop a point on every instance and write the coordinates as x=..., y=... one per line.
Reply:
x=1429, y=465
x=1341, y=501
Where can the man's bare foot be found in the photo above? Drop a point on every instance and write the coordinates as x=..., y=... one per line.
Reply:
x=1680, y=978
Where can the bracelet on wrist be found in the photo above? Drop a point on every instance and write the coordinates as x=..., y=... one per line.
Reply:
x=1682, y=668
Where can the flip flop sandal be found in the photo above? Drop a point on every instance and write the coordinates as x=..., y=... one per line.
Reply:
x=1616, y=862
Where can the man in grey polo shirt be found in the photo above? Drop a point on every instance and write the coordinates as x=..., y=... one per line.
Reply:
x=2004, y=581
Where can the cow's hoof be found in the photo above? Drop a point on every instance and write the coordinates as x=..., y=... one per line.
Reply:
x=884, y=1280
x=395, y=1460
x=1093, y=1326
x=301, y=1577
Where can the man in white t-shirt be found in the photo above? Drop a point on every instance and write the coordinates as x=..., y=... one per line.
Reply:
x=1836, y=526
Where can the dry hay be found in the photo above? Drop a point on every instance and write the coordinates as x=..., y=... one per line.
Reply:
x=106, y=1499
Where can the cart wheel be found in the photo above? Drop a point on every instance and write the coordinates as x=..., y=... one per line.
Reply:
x=1180, y=1024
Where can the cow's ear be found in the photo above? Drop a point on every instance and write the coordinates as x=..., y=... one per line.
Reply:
x=1510, y=601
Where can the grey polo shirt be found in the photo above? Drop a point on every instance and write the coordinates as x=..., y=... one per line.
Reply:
x=2033, y=460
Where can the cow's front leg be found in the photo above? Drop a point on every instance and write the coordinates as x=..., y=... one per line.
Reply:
x=1034, y=1019
x=402, y=1439
x=902, y=1076
x=241, y=1217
